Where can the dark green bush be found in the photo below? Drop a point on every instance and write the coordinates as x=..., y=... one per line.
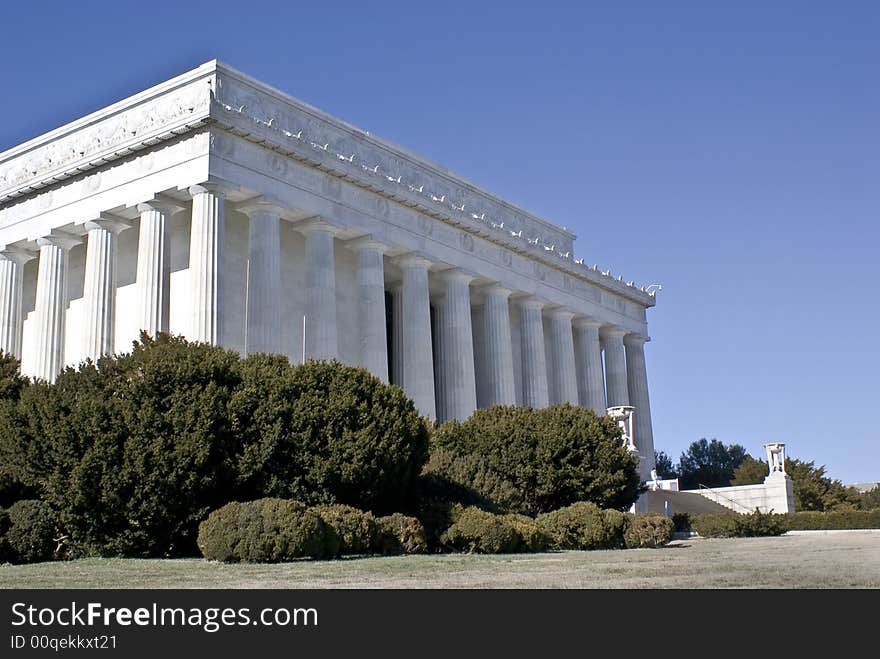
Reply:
x=356, y=529
x=734, y=525
x=681, y=522
x=483, y=532
x=326, y=433
x=32, y=532
x=838, y=519
x=5, y=551
x=531, y=461
x=266, y=531
x=583, y=525
x=135, y=451
x=647, y=531
x=532, y=536
x=399, y=534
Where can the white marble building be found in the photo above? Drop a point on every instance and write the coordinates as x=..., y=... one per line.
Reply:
x=219, y=208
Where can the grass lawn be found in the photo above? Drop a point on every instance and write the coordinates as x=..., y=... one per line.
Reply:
x=847, y=560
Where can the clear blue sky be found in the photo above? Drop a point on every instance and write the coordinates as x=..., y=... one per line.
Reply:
x=729, y=151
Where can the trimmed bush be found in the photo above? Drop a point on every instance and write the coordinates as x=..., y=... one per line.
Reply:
x=838, y=519
x=482, y=532
x=326, y=433
x=399, y=534
x=356, y=529
x=734, y=525
x=476, y=530
x=532, y=536
x=532, y=461
x=681, y=522
x=266, y=531
x=32, y=529
x=647, y=531
x=583, y=525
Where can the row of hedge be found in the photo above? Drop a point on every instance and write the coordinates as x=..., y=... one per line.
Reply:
x=134, y=451
x=274, y=530
x=733, y=525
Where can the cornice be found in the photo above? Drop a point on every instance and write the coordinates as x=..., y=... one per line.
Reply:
x=217, y=94
x=135, y=123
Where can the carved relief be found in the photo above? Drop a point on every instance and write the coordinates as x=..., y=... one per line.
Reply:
x=467, y=241
x=111, y=133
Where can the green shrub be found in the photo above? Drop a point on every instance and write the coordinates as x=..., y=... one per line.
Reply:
x=532, y=536
x=266, y=531
x=734, y=525
x=583, y=525
x=135, y=451
x=356, y=529
x=399, y=534
x=33, y=527
x=531, y=461
x=326, y=433
x=838, y=519
x=5, y=551
x=482, y=532
x=681, y=522
x=647, y=531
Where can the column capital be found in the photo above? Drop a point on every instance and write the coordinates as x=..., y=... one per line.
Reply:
x=59, y=239
x=316, y=225
x=496, y=289
x=532, y=302
x=260, y=205
x=111, y=223
x=612, y=332
x=213, y=187
x=456, y=275
x=586, y=322
x=561, y=313
x=635, y=340
x=413, y=260
x=17, y=254
x=160, y=204
x=366, y=242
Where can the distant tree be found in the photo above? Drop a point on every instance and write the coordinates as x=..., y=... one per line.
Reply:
x=869, y=500
x=709, y=463
x=664, y=465
x=813, y=490
x=751, y=472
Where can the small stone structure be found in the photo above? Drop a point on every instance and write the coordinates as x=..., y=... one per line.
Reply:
x=775, y=494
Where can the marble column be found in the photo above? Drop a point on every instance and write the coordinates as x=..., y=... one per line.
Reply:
x=371, y=305
x=321, y=331
x=418, y=361
x=154, y=266
x=534, y=359
x=397, y=334
x=499, y=349
x=12, y=260
x=99, y=289
x=263, y=308
x=458, y=342
x=611, y=339
x=564, y=368
x=206, y=262
x=588, y=358
x=637, y=385
x=51, y=304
